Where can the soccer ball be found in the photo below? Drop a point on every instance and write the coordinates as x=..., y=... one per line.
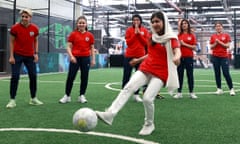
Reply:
x=85, y=119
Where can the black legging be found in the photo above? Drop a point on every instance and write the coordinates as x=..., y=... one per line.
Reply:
x=84, y=64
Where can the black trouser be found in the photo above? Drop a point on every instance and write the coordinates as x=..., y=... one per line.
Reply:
x=186, y=63
x=28, y=61
x=223, y=63
x=127, y=71
x=84, y=64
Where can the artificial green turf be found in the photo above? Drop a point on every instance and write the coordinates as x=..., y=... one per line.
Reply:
x=210, y=119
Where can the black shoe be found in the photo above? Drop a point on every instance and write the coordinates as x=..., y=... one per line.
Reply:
x=159, y=96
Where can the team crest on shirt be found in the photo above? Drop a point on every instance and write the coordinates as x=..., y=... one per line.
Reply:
x=31, y=33
x=223, y=38
x=189, y=38
x=142, y=33
x=87, y=39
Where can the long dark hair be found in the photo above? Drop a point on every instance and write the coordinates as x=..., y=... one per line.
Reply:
x=81, y=17
x=160, y=16
x=189, y=27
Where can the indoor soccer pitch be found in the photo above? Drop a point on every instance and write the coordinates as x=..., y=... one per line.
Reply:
x=210, y=119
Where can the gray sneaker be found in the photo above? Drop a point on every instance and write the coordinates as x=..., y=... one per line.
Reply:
x=82, y=99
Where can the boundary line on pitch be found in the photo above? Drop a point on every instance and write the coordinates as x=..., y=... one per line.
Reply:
x=121, y=137
x=236, y=84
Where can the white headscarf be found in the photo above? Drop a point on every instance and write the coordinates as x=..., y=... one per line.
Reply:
x=172, y=80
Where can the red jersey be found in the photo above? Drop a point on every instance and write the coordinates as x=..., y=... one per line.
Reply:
x=24, y=38
x=156, y=62
x=81, y=43
x=187, y=38
x=136, y=43
x=219, y=50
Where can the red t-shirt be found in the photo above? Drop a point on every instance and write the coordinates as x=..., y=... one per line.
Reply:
x=219, y=50
x=189, y=39
x=24, y=38
x=156, y=62
x=81, y=43
x=136, y=43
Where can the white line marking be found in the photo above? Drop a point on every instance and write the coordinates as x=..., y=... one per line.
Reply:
x=126, y=138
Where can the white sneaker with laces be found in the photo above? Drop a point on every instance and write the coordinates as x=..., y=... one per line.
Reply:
x=193, y=96
x=106, y=117
x=219, y=91
x=65, y=99
x=137, y=98
x=232, y=92
x=82, y=99
x=147, y=129
x=178, y=96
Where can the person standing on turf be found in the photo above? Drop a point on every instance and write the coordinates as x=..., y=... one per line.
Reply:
x=219, y=44
x=158, y=69
x=24, y=49
x=188, y=44
x=136, y=38
x=80, y=48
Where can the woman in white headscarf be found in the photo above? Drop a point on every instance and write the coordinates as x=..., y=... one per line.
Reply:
x=158, y=69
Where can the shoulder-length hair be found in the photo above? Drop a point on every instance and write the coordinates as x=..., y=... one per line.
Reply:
x=188, y=23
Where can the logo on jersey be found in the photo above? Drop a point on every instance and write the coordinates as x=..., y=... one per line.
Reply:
x=87, y=39
x=31, y=33
x=223, y=38
x=189, y=38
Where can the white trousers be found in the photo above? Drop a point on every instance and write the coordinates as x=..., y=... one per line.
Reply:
x=138, y=80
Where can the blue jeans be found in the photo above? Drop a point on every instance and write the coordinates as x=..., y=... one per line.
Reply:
x=223, y=63
x=84, y=64
x=188, y=64
x=31, y=68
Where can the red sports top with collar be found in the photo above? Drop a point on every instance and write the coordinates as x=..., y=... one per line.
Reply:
x=188, y=38
x=81, y=43
x=156, y=62
x=219, y=50
x=136, y=43
x=24, y=38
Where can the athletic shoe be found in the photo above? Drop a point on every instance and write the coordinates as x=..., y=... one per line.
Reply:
x=106, y=117
x=193, y=96
x=11, y=104
x=232, y=92
x=35, y=101
x=82, y=99
x=219, y=91
x=137, y=98
x=65, y=99
x=178, y=96
x=160, y=96
x=147, y=129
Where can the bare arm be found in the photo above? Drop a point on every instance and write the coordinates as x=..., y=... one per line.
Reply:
x=11, y=58
x=36, y=49
x=93, y=61
x=69, y=51
x=135, y=61
x=177, y=56
x=193, y=47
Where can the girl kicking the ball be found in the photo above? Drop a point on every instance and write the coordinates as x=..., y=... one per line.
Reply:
x=158, y=69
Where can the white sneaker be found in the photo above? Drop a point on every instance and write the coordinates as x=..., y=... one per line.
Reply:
x=193, y=96
x=178, y=96
x=232, y=92
x=219, y=91
x=65, y=99
x=137, y=98
x=147, y=129
x=82, y=99
x=11, y=104
x=106, y=117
